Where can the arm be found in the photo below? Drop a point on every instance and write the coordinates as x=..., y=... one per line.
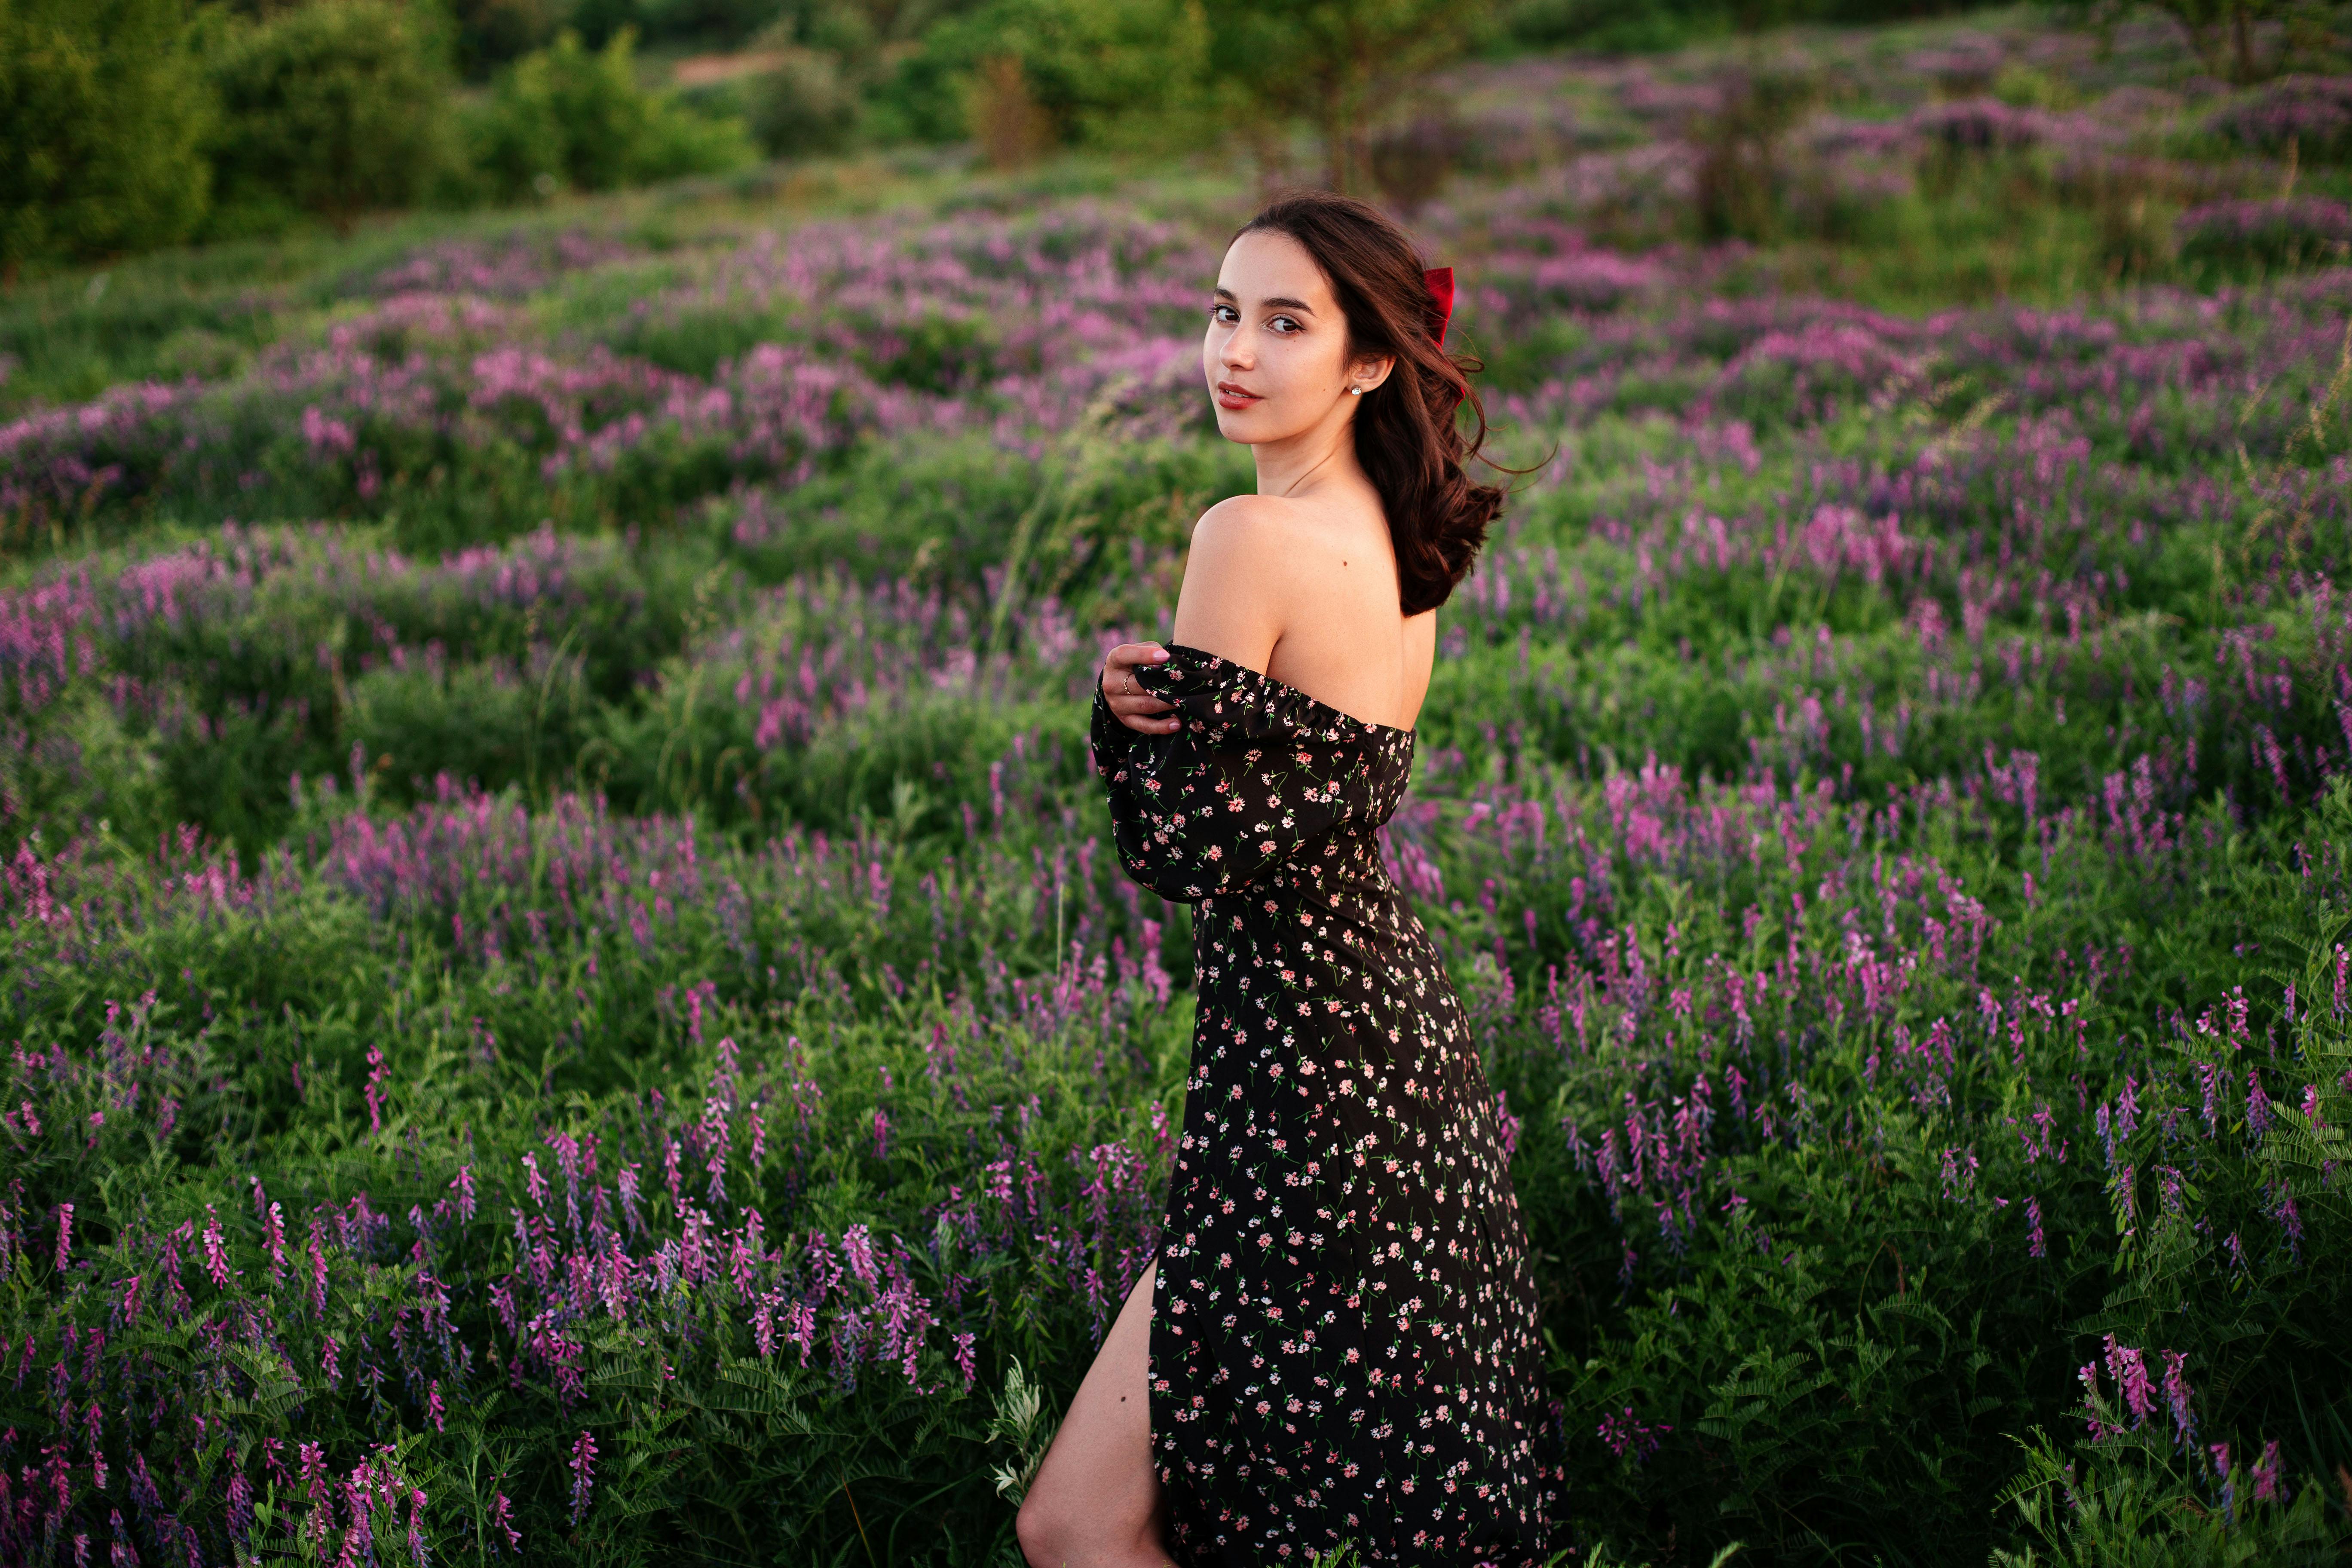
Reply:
x=1239, y=787
x=1226, y=606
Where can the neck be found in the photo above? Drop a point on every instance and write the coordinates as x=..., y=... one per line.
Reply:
x=1314, y=459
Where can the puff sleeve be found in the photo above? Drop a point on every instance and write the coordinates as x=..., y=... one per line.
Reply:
x=1257, y=776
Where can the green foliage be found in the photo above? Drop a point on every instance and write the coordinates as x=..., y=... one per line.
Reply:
x=570, y=116
x=101, y=112
x=1102, y=72
x=805, y=106
x=2139, y=1507
x=1332, y=64
x=333, y=107
x=489, y=33
x=706, y=24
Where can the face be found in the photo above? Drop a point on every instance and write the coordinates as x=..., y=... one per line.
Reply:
x=1276, y=353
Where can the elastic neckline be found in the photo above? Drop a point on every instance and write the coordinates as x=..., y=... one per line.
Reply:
x=1315, y=702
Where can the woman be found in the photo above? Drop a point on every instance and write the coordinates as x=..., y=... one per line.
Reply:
x=1337, y=1342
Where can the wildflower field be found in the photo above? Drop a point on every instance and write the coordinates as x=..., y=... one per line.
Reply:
x=566, y=999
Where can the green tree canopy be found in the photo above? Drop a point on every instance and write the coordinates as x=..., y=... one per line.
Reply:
x=333, y=108
x=577, y=116
x=101, y=115
x=1331, y=63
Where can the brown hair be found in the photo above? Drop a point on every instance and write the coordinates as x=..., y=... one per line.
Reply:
x=1406, y=436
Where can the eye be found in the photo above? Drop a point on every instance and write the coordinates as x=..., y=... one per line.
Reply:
x=1286, y=324
x=1222, y=312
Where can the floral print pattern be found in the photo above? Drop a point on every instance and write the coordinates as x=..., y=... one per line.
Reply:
x=1343, y=1339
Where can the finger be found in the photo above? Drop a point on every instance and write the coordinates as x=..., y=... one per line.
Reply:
x=1150, y=726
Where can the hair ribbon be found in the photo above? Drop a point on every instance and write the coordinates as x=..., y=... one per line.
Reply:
x=1439, y=281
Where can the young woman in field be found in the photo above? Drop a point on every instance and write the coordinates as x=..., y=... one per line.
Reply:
x=1337, y=1342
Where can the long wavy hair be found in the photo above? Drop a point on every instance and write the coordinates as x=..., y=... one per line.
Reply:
x=1408, y=435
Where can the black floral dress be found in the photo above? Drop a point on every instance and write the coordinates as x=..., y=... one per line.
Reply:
x=1343, y=1339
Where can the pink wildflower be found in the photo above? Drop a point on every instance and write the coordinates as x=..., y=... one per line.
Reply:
x=584, y=1475
x=2266, y=1473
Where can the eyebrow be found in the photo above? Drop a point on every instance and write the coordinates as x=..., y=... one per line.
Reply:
x=1281, y=301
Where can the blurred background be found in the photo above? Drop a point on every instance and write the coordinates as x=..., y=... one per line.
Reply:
x=131, y=125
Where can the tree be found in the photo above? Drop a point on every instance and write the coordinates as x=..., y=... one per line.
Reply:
x=576, y=116
x=1329, y=62
x=101, y=115
x=1091, y=73
x=333, y=108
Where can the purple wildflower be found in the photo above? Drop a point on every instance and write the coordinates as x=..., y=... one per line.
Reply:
x=584, y=1475
x=2266, y=1473
x=378, y=1075
x=1627, y=1436
x=2176, y=1394
x=502, y=1518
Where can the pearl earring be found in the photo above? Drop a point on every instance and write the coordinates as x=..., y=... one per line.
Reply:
x=1355, y=391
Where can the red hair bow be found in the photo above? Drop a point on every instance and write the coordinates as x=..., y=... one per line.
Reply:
x=1440, y=283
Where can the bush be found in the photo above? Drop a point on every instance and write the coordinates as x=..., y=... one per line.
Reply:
x=805, y=106
x=2286, y=232
x=333, y=109
x=2313, y=113
x=578, y=117
x=1101, y=72
x=491, y=32
x=704, y=23
x=1412, y=162
x=101, y=110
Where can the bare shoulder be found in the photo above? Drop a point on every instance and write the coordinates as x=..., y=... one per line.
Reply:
x=1239, y=576
x=1274, y=537
x=1246, y=543
x=1250, y=522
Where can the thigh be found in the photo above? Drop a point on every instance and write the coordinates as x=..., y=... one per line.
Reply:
x=1098, y=1479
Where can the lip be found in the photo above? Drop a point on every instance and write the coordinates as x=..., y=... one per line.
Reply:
x=1230, y=396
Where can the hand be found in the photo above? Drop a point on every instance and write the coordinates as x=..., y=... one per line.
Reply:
x=1136, y=708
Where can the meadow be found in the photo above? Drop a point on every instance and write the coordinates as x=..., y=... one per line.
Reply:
x=567, y=997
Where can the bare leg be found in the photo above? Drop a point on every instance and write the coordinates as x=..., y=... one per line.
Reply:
x=1096, y=1500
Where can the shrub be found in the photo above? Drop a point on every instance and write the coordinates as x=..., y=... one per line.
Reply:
x=1411, y=163
x=101, y=110
x=2313, y=112
x=1739, y=143
x=2283, y=232
x=805, y=106
x=333, y=108
x=1099, y=71
x=491, y=32
x=706, y=23
x=578, y=117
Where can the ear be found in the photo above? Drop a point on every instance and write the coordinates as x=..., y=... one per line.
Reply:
x=1368, y=371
